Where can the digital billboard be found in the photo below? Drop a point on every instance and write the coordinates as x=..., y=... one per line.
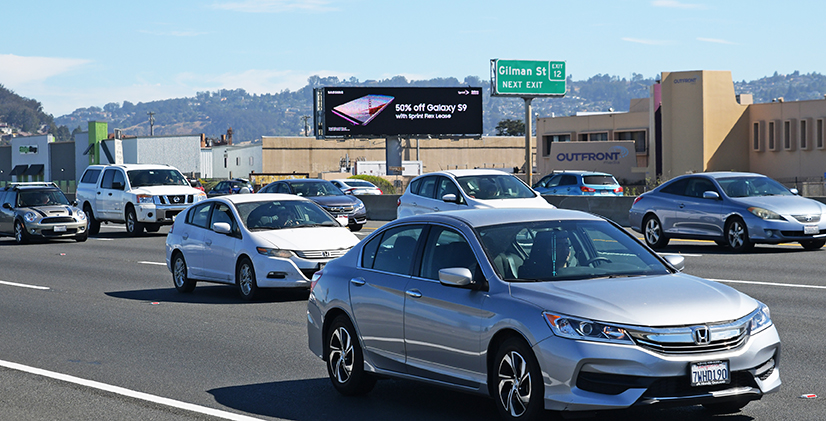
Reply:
x=383, y=112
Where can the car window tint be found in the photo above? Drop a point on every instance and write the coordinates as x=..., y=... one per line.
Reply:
x=446, y=248
x=108, y=176
x=90, y=176
x=600, y=180
x=446, y=186
x=428, y=187
x=697, y=186
x=198, y=215
x=2, y=197
x=677, y=187
x=568, y=180
x=414, y=185
x=222, y=213
x=117, y=178
x=10, y=198
x=395, y=250
x=554, y=181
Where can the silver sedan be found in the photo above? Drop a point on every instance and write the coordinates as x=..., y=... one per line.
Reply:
x=541, y=309
x=734, y=209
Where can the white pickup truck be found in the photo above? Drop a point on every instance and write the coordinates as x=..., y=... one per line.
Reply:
x=142, y=196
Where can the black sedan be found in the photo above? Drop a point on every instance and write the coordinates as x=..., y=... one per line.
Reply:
x=326, y=195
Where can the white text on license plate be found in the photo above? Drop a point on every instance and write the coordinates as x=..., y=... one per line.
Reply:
x=60, y=228
x=811, y=229
x=710, y=373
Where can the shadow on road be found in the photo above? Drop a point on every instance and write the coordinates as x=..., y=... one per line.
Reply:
x=212, y=294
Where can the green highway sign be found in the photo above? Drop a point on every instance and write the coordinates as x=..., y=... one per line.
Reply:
x=527, y=78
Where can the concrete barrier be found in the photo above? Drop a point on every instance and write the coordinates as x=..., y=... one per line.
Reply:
x=380, y=207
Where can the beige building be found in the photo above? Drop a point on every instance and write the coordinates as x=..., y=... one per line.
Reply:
x=694, y=122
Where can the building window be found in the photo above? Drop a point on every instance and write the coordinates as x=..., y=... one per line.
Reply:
x=804, y=141
x=771, y=135
x=787, y=135
x=593, y=137
x=640, y=143
x=548, y=140
x=237, y=160
x=819, y=134
x=225, y=162
x=755, y=136
x=250, y=161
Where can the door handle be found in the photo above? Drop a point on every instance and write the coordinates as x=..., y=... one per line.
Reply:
x=682, y=205
x=208, y=242
x=110, y=194
x=413, y=293
x=98, y=193
x=185, y=236
x=357, y=281
x=436, y=209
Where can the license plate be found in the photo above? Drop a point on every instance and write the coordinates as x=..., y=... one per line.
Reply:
x=60, y=228
x=710, y=373
x=343, y=220
x=811, y=229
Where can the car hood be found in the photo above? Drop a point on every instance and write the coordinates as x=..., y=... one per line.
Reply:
x=309, y=238
x=334, y=200
x=665, y=300
x=166, y=190
x=784, y=205
x=528, y=202
x=52, y=210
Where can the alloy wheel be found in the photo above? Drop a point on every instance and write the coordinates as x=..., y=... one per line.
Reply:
x=514, y=384
x=341, y=355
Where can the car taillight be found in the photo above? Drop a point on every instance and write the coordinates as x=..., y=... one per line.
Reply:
x=171, y=227
x=587, y=189
x=618, y=189
x=316, y=277
x=380, y=192
x=398, y=202
x=636, y=200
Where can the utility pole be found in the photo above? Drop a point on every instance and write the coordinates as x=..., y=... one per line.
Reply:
x=151, y=123
x=306, y=118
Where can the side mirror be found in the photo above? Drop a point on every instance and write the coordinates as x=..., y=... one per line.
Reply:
x=677, y=261
x=7, y=205
x=711, y=195
x=117, y=185
x=74, y=203
x=455, y=277
x=795, y=192
x=222, y=228
x=450, y=197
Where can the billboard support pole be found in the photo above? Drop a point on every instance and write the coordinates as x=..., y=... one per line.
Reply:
x=528, y=151
x=393, y=155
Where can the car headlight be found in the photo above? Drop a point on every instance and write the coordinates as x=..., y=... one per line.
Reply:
x=200, y=196
x=143, y=198
x=582, y=329
x=765, y=214
x=285, y=254
x=81, y=216
x=30, y=216
x=761, y=320
x=359, y=205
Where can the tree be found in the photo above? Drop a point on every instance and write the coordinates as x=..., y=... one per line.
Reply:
x=508, y=127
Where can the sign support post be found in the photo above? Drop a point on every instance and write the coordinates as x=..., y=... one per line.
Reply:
x=528, y=149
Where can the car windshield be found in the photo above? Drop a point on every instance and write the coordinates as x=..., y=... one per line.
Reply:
x=752, y=186
x=29, y=198
x=565, y=250
x=316, y=189
x=270, y=215
x=494, y=186
x=156, y=177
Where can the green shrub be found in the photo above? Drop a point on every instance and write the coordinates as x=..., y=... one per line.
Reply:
x=385, y=186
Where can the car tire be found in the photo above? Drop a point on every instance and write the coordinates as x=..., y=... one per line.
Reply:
x=724, y=408
x=245, y=279
x=133, y=227
x=94, y=224
x=20, y=234
x=179, y=274
x=345, y=359
x=652, y=230
x=355, y=227
x=516, y=381
x=152, y=227
x=813, y=244
x=82, y=237
x=737, y=235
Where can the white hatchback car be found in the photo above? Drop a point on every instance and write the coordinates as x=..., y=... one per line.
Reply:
x=356, y=186
x=467, y=189
x=253, y=241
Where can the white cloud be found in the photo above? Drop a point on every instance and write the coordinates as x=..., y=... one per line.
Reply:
x=275, y=6
x=716, y=41
x=645, y=41
x=674, y=4
x=20, y=70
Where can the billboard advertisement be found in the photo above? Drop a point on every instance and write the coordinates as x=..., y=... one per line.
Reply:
x=384, y=112
x=614, y=157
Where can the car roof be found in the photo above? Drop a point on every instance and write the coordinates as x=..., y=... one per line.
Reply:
x=465, y=172
x=485, y=217
x=135, y=166
x=258, y=197
x=304, y=180
x=723, y=174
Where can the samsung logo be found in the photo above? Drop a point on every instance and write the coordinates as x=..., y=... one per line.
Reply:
x=691, y=80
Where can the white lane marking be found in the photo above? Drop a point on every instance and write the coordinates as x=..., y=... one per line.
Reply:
x=153, y=263
x=773, y=284
x=14, y=284
x=130, y=393
x=101, y=239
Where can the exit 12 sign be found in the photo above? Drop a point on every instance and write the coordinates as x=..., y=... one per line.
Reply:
x=527, y=78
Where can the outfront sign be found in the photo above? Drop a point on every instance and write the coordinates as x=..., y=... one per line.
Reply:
x=526, y=78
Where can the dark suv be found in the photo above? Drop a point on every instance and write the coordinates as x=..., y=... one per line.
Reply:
x=40, y=210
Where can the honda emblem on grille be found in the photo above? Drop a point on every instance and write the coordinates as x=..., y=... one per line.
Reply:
x=701, y=335
x=325, y=253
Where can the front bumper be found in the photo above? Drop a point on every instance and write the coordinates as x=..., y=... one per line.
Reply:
x=296, y=272
x=775, y=232
x=587, y=376
x=158, y=214
x=57, y=230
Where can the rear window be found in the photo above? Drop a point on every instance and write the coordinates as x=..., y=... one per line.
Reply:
x=600, y=180
x=359, y=183
x=90, y=176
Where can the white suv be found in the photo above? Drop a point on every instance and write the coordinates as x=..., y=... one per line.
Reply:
x=467, y=189
x=142, y=196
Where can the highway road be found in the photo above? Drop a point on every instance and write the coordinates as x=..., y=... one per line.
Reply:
x=96, y=331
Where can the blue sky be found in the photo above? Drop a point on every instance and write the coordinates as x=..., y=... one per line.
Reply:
x=73, y=54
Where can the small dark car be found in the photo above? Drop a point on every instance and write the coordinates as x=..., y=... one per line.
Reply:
x=40, y=210
x=233, y=186
x=327, y=196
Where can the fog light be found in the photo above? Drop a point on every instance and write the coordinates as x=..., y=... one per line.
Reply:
x=277, y=275
x=149, y=215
